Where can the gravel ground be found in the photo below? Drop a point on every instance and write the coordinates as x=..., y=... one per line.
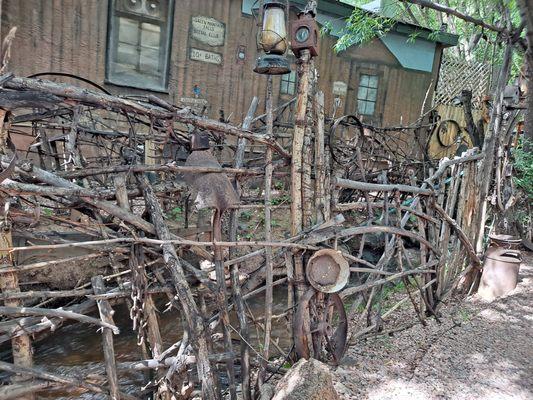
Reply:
x=480, y=350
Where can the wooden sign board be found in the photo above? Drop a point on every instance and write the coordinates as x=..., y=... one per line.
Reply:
x=208, y=30
x=205, y=56
x=197, y=105
x=340, y=88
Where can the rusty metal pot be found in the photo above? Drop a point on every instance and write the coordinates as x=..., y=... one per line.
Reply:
x=500, y=272
x=328, y=271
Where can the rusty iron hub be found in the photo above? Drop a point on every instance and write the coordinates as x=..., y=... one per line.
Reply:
x=321, y=327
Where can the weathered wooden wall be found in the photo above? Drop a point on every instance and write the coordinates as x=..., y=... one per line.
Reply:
x=447, y=112
x=71, y=36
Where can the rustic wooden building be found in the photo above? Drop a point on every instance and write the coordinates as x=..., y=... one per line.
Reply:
x=196, y=52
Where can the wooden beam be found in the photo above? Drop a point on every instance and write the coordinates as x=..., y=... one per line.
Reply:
x=106, y=315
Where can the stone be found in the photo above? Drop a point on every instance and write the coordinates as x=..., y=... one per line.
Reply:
x=306, y=380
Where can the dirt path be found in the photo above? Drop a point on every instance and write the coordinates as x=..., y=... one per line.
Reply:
x=480, y=351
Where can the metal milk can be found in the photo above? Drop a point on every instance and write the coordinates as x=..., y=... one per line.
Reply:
x=500, y=272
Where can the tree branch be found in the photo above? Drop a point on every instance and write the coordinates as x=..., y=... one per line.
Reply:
x=455, y=13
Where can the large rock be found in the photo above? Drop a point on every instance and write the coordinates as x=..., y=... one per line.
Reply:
x=306, y=380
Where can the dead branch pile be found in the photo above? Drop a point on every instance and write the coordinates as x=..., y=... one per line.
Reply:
x=99, y=182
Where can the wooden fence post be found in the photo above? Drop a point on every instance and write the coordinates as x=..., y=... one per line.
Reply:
x=21, y=345
x=106, y=315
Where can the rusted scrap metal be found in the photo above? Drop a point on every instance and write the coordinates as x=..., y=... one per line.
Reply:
x=328, y=271
x=214, y=190
x=321, y=327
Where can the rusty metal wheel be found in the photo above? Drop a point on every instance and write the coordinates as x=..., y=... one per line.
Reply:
x=320, y=327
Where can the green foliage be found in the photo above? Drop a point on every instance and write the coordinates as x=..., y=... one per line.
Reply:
x=278, y=185
x=176, y=214
x=361, y=28
x=475, y=43
x=287, y=364
x=280, y=200
x=47, y=211
x=246, y=215
x=465, y=315
x=523, y=166
x=395, y=288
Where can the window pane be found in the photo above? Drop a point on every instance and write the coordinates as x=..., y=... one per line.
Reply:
x=128, y=31
x=150, y=35
x=366, y=107
x=370, y=108
x=149, y=61
x=372, y=94
x=362, y=94
x=361, y=106
x=283, y=88
x=127, y=54
x=292, y=77
x=292, y=88
x=373, y=81
x=364, y=80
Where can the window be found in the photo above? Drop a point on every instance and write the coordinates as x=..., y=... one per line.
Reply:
x=138, y=43
x=367, y=94
x=288, y=83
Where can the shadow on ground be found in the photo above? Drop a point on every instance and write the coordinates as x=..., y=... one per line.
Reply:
x=480, y=351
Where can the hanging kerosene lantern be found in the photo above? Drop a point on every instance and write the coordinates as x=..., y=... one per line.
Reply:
x=273, y=40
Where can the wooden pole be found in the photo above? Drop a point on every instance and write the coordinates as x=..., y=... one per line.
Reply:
x=485, y=170
x=222, y=301
x=296, y=165
x=268, y=234
x=320, y=172
x=196, y=326
x=106, y=314
x=297, y=143
x=21, y=345
x=234, y=272
x=307, y=186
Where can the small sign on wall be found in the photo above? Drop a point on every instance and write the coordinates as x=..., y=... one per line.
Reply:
x=340, y=88
x=194, y=103
x=208, y=30
x=205, y=56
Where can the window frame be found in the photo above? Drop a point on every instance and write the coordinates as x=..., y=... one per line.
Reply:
x=112, y=48
x=366, y=100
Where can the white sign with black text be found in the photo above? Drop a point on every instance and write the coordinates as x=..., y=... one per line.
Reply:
x=205, y=56
x=208, y=30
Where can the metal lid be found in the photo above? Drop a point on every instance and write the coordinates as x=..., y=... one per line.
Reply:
x=505, y=238
x=328, y=271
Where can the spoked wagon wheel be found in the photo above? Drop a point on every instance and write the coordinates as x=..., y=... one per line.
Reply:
x=321, y=327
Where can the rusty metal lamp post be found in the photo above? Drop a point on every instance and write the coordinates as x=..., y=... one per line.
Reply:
x=273, y=40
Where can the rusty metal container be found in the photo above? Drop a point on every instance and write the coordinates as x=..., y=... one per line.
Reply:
x=504, y=241
x=500, y=272
x=328, y=271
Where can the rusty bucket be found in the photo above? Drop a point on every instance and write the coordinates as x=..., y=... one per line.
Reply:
x=328, y=271
x=500, y=272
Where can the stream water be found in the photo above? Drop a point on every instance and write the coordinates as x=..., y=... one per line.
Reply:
x=76, y=350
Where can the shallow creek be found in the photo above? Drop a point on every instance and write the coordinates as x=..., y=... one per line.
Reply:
x=76, y=350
